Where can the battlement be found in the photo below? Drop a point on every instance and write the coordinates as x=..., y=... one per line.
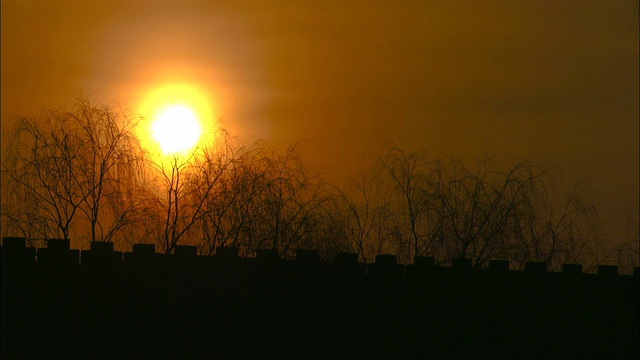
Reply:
x=102, y=255
x=65, y=303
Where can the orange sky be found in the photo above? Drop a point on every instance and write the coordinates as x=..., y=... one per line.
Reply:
x=551, y=81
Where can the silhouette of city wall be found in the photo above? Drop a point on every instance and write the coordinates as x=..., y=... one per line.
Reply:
x=100, y=303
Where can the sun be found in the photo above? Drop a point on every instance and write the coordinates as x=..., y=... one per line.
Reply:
x=175, y=118
x=175, y=129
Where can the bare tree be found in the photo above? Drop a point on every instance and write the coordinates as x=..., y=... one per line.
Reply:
x=83, y=172
x=267, y=200
x=66, y=163
x=626, y=253
x=631, y=257
x=551, y=229
x=43, y=162
x=230, y=217
x=181, y=186
x=291, y=197
x=331, y=231
x=477, y=208
x=108, y=165
x=369, y=221
x=447, y=210
x=414, y=177
x=21, y=214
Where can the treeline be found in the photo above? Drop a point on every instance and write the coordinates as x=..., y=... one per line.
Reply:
x=83, y=175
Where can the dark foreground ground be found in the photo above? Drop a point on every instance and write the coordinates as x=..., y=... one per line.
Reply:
x=252, y=309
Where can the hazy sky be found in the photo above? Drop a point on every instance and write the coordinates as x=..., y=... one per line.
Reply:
x=550, y=81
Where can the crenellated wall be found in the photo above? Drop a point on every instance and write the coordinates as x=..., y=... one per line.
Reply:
x=59, y=302
x=58, y=252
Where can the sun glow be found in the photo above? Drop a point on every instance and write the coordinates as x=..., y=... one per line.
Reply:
x=178, y=117
x=176, y=129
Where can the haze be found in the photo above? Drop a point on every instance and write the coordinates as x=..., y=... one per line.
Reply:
x=552, y=82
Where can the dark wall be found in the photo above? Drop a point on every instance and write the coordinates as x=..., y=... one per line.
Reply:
x=227, y=307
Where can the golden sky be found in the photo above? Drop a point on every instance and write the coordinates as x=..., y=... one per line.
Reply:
x=555, y=82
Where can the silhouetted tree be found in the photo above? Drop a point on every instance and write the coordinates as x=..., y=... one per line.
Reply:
x=478, y=206
x=626, y=253
x=109, y=163
x=552, y=229
x=181, y=186
x=369, y=221
x=229, y=218
x=448, y=210
x=291, y=198
x=65, y=163
x=84, y=170
x=414, y=177
x=265, y=200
